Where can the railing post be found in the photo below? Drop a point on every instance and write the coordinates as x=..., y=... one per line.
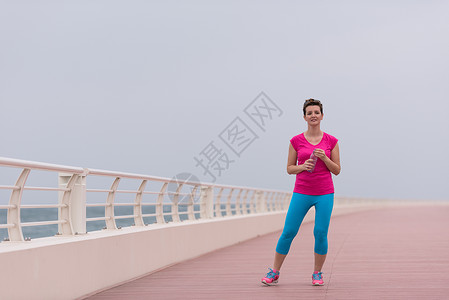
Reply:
x=261, y=204
x=15, y=233
x=253, y=203
x=175, y=205
x=207, y=202
x=228, y=204
x=245, y=205
x=218, y=212
x=270, y=201
x=191, y=204
x=160, y=204
x=76, y=210
x=286, y=201
x=138, y=220
x=238, y=204
x=109, y=211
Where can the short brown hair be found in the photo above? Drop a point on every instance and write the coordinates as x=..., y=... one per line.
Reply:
x=310, y=102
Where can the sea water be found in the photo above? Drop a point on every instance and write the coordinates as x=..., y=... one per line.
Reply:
x=51, y=214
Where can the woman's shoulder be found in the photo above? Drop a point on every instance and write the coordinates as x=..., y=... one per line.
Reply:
x=297, y=141
x=330, y=138
x=327, y=135
x=298, y=137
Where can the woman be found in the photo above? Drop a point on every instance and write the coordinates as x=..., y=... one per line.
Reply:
x=313, y=187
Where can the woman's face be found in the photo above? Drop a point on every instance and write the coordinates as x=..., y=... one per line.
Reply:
x=313, y=115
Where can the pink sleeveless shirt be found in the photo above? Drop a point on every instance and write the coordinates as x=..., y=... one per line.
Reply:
x=319, y=182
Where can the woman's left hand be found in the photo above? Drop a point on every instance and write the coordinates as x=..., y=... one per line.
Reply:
x=320, y=154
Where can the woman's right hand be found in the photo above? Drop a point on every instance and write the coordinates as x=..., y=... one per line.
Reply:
x=308, y=165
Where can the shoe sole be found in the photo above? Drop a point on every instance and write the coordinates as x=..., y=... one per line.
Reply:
x=273, y=283
x=317, y=284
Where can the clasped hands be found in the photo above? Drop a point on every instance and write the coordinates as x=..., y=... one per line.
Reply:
x=309, y=164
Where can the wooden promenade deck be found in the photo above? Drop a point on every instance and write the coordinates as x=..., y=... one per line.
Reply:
x=389, y=253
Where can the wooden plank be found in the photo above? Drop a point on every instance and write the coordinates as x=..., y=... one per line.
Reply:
x=392, y=253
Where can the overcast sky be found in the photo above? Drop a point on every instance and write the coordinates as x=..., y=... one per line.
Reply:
x=150, y=86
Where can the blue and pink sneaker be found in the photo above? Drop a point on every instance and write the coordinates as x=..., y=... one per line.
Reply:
x=271, y=277
x=317, y=278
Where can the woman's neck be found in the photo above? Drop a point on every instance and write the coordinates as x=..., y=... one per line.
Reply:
x=313, y=131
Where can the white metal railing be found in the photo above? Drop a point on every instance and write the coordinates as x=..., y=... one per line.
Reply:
x=203, y=201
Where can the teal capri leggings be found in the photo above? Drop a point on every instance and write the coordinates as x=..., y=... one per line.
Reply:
x=299, y=206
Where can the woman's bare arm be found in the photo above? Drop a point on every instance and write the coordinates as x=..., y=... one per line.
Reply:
x=292, y=168
x=333, y=163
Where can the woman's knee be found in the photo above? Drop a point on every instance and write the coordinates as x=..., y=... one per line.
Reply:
x=289, y=233
x=320, y=241
x=320, y=234
x=285, y=241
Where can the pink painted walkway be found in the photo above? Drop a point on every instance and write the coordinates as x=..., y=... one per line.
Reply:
x=393, y=253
